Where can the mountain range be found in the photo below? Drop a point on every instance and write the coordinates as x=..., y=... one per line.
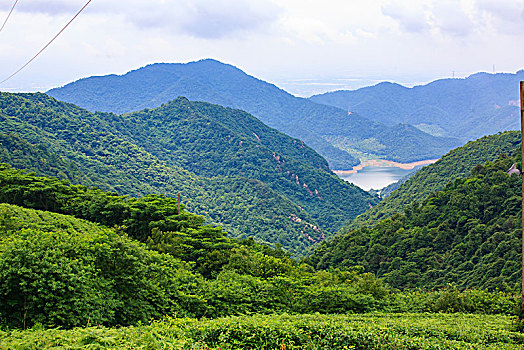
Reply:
x=338, y=136
x=228, y=166
x=468, y=108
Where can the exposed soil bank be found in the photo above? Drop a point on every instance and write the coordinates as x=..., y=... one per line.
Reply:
x=384, y=163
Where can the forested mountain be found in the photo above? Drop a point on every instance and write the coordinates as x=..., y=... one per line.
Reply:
x=469, y=108
x=210, y=140
x=468, y=235
x=229, y=175
x=434, y=177
x=328, y=130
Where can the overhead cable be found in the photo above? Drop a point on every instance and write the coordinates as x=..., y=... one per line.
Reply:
x=45, y=47
x=8, y=15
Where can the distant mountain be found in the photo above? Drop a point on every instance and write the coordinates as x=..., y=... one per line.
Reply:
x=481, y=104
x=228, y=166
x=434, y=177
x=329, y=130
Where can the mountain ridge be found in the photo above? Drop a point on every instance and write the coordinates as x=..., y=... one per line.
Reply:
x=467, y=108
x=329, y=130
x=90, y=146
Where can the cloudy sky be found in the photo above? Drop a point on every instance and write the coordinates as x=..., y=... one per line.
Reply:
x=303, y=46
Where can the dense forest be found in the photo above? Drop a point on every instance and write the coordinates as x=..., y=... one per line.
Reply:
x=259, y=184
x=327, y=129
x=93, y=257
x=468, y=235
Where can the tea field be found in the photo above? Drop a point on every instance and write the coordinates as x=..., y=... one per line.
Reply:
x=363, y=331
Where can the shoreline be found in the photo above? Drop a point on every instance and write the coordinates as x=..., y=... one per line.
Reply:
x=384, y=163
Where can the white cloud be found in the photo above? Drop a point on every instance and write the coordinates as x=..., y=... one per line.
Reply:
x=505, y=16
x=449, y=17
x=276, y=40
x=411, y=17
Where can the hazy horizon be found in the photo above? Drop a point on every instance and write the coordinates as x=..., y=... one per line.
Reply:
x=303, y=47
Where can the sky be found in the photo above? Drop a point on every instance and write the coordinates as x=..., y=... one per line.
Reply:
x=302, y=46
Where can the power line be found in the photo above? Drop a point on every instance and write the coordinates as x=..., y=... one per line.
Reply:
x=8, y=15
x=45, y=47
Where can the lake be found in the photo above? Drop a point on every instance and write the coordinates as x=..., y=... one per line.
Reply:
x=375, y=177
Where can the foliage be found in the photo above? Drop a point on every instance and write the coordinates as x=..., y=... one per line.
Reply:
x=57, y=270
x=468, y=234
x=69, y=277
x=373, y=331
x=210, y=140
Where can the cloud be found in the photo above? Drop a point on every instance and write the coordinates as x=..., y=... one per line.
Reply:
x=199, y=18
x=506, y=16
x=447, y=17
x=221, y=18
x=410, y=18
x=450, y=18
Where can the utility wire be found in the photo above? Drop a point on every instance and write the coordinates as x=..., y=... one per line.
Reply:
x=8, y=15
x=45, y=47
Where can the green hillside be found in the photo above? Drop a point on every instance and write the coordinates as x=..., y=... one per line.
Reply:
x=54, y=138
x=329, y=130
x=456, y=164
x=57, y=270
x=160, y=277
x=467, y=234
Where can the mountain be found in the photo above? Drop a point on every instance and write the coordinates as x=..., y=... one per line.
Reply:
x=434, y=177
x=210, y=140
x=252, y=180
x=468, y=234
x=469, y=108
x=329, y=130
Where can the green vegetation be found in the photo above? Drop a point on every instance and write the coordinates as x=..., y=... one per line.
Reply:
x=58, y=270
x=467, y=235
x=75, y=259
x=275, y=190
x=374, y=331
x=456, y=164
x=215, y=82
x=210, y=140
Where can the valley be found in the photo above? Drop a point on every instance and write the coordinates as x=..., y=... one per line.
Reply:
x=269, y=246
x=261, y=175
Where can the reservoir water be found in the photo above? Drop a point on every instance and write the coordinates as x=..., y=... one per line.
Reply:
x=374, y=177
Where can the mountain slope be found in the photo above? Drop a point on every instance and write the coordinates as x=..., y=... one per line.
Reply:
x=434, y=177
x=51, y=137
x=244, y=207
x=210, y=140
x=468, y=234
x=469, y=108
x=319, y=126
